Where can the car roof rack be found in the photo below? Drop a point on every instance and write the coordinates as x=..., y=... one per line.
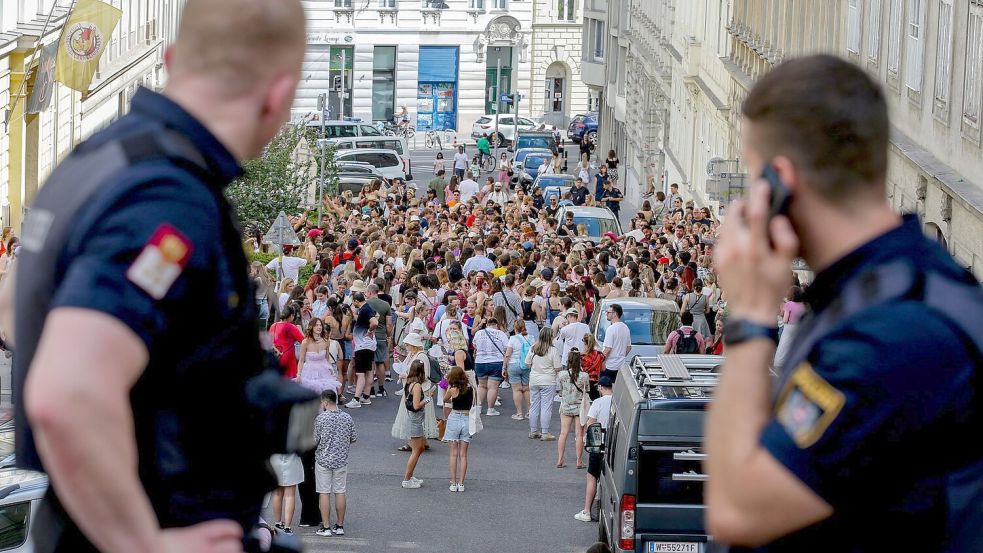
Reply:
x=671, y=376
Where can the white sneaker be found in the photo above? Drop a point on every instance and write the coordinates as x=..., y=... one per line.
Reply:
x=460, y=487
x=353, y=404
x=498, y=403
x=410, y=484
x=398, y=392
x=417, y=480
x=582, y=516
x=453, y=487
x=366, y=401
x=492, y=412
x=505, y=385
x=517, y=417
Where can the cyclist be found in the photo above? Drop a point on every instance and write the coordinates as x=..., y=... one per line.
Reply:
x=402, y=118
x=484, y=148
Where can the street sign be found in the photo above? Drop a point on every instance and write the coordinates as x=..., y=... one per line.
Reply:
x=506, y=98
x=281, y=232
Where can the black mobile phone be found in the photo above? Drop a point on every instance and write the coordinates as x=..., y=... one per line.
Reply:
x=779, y=194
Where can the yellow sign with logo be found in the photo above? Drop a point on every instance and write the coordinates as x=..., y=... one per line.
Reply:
x=83, y=40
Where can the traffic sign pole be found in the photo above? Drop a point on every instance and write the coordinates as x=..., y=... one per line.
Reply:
x=498, y=105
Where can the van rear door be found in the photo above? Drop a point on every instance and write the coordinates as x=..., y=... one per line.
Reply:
x=669, y=506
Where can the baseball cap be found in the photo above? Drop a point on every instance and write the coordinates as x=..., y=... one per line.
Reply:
x=605, y=381
x=572, y=312
x=546, y=273
x=352, y=244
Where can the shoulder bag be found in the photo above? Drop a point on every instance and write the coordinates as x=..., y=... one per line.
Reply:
x=474, y=416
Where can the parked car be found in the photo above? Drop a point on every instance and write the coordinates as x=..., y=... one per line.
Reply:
x=598, y=220
x=581, y=126
x=388, y=162
x=553, y=179
x=530, y=165
x=557, y=191
x=536, y=139
x=650, y=491
x=344, y=129
x=353, y=175
x=506, y=127
x=397, y=143
x=650, y=321
x=20, y=496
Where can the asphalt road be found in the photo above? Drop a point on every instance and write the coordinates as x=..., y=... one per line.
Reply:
x=516, y=500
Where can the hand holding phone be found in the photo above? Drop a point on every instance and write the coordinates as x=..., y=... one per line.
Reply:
x=779, y=193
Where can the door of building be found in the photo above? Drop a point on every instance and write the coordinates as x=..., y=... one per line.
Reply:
x=498, y=55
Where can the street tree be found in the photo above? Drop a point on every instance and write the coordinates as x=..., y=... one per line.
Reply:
x=279, y=180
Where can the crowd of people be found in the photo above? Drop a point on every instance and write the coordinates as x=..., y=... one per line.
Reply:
x=448, y=296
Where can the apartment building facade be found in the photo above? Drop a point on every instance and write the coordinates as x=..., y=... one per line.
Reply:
x=671, y=75
x=32, y=144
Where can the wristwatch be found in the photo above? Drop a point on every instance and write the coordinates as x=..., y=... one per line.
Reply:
x=742, y=330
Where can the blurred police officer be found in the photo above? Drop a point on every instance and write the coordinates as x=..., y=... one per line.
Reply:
x=869, y=441
x=133, y=351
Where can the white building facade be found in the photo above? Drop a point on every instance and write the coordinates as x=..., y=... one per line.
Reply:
x=440, y=59
x=556, y=59
x=671, y=76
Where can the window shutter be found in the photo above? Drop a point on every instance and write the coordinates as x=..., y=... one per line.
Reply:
x=915, y=44
x=853, y=26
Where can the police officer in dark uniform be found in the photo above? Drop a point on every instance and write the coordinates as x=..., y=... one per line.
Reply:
x=870, y=438
x=138, y=369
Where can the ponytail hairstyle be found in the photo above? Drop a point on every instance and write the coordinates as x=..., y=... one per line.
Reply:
x=573, y=366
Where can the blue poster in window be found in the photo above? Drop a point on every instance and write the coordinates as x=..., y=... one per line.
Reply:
x=436, y=90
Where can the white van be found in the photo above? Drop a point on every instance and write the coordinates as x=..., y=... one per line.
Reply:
x=388, y=162
x=344, y=129
x=396, y=143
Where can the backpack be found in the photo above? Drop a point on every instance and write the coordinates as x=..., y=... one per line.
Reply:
x=435, y=375
x=687, y=342
x=523, y=352
x=408, y=398
x=431, y=321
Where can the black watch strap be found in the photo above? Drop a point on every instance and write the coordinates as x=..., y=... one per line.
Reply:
x=742, y=330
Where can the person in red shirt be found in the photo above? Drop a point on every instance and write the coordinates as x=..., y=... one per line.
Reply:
x=285, y=334
x=352, y=254
x=591, y=362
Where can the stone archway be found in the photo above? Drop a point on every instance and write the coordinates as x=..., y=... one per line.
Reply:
x=504, y=30
x=556, y=100
x=935, y=232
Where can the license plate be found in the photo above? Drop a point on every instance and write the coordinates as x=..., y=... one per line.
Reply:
x=674, y=547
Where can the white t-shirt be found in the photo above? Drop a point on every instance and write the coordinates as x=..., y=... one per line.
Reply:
x=461, y=161
x=468, y=188
x=572, y=336
x=291, y=267
x=515, y=342
x=618, y=338
x=600, y=410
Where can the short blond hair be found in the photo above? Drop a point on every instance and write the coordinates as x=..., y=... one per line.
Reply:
x=238, y=43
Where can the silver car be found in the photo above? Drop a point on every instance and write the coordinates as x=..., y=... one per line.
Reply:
x=650, y=321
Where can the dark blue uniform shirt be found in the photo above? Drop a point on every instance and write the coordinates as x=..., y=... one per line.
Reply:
x=198, y=456
x=882, y=409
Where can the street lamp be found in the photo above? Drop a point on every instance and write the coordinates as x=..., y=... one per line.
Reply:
x=322, y=144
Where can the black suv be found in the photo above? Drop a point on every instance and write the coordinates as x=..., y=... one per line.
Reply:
x=651, y=485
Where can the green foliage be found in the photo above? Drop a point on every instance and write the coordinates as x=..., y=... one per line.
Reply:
x=331, y=184
x=262, y=257
x=272, y=183
x=305, y=274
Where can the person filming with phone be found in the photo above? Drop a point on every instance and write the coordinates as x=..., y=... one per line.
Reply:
x=869, y=438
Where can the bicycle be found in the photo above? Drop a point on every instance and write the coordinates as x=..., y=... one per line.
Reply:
x=432, y=140
x=487, y=162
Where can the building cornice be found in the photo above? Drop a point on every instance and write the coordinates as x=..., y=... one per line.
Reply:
x=967, y=192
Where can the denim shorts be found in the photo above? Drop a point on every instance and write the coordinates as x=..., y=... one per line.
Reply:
x=457, y=428
x=519, y=376
x=346, y=349
x=381, y=351
x=491, y=371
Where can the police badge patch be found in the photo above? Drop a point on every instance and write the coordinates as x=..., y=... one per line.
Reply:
x=807, y=405
x=160, y=263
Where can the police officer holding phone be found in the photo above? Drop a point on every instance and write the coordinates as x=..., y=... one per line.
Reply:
x=869, y=439
x=139, y=381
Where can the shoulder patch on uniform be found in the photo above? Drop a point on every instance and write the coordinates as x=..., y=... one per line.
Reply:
x=161, y=261
x=807, y=405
